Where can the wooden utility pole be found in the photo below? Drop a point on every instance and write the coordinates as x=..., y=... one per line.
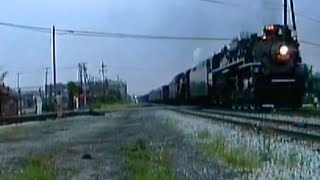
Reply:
x=19, y=94
x=80, y=82
x=46, y=83
x=18, y=80
x=103, y=70
x=46, y=88
x=285, y=12
x=53, y=56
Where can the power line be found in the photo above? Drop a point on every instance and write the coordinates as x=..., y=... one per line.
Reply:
x=128, y=36
x=113, y=35
x=230, y=4
x=310, y=43
x=222, y=2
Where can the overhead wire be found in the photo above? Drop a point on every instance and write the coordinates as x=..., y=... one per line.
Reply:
x=140, y=36
x=113, y=35
x=272, y=8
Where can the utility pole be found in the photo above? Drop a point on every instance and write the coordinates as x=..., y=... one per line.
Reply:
x=285, y=12
x=46, y=83
x=103, y=70
x=85, y=80
x=46, y=88
x=118, y=85
x=19, y=93
x=18, y=81
x=80, y=77
x=53, y=56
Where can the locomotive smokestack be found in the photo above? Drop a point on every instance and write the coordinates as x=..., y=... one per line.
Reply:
x=293, y=15
x=196, y=56
x=272, y=12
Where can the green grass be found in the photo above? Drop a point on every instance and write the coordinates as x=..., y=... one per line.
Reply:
x=172, y=126
x=117, y=106
x=204, y=135
x=291, y=161
x=36, y=168
x=305, y=111
x=11, y=132
x=113, y=106
x=144, y=164
x=234, y=157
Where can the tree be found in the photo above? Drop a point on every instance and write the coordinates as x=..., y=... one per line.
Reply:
x=3, y=75
x=73, y=89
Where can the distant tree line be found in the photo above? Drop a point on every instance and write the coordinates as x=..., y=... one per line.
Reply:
x=313, y=89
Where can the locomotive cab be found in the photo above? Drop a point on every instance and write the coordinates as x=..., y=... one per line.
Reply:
x=278, y=32
x=282, y=77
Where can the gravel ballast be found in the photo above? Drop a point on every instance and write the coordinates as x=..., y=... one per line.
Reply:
x=287, y=159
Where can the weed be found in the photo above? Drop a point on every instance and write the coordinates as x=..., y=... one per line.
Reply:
x=172, y=126
x=38, y=167
x=265, y=150
x=144, y=164
x=11, y=132
x=204, y=135
x=235, y=157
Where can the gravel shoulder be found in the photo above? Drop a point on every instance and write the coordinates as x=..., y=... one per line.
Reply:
x=90, y=147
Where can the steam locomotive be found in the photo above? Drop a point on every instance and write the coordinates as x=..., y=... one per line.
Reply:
x=253, y=71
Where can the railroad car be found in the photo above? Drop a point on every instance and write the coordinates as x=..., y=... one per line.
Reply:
x=175, y=89
x=156, y=96
x=198, y=83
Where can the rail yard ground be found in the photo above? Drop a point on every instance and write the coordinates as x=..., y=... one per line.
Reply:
x=150, y=143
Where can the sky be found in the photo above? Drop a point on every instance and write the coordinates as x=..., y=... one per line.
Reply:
x=143, y=63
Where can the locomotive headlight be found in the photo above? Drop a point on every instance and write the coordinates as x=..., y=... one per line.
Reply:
x=284, y=50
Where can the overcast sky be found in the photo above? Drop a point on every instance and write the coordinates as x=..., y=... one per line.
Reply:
x=144, y=64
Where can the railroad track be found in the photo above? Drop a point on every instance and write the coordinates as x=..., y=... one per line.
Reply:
x=70, y=113
x=278, y=121
x=277, y=126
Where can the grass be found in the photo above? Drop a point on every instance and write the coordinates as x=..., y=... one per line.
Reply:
x=144, y=164
x=11, y=132
x=236, y=158
x=172, y=126
x=114, y=106
x=305, y=111
x=290, y=162
x=118, y=106
x=36, y=168
x=204, y=135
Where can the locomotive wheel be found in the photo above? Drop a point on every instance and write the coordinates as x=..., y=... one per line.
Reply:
x=245, y=106
x=252, y=107
x=239, y=106
x=233, y=106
